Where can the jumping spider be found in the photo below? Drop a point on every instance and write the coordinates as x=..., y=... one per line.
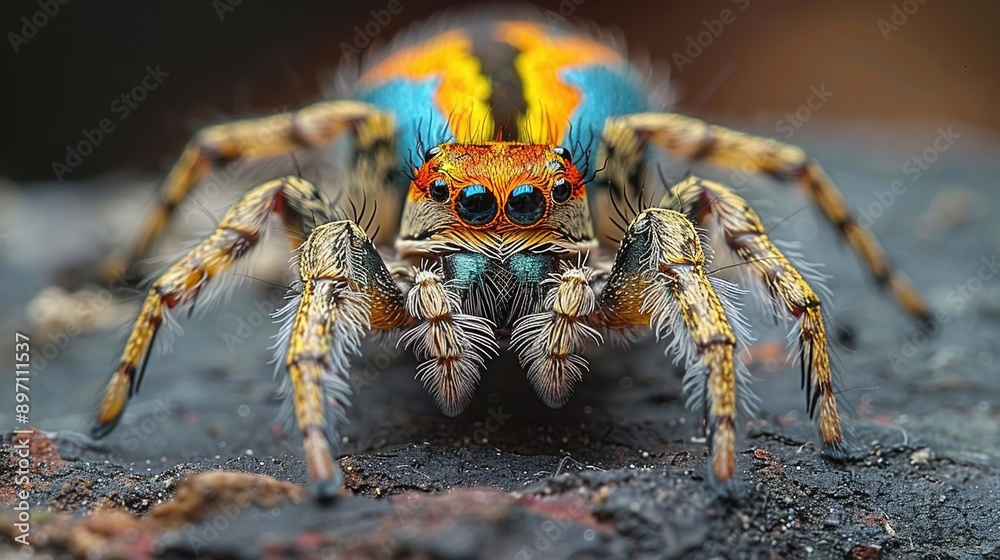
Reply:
x=511, y=220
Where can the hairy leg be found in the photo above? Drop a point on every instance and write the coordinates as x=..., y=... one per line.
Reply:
x=315, y=126
x=693, y=139
x=295, y=200
x=659, y=280
x=346, y=291
x=715, y=207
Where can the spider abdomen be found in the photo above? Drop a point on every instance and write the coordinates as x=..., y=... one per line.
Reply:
x=506, y=80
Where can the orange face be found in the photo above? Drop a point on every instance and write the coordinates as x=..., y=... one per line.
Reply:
x=499, y=185
x=501, y=195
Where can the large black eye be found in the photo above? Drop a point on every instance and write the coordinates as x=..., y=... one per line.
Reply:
x=439, y=190
x=561, y=190
x=525, y=205
x=476, y=205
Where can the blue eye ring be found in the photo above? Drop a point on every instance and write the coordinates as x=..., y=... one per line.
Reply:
x=476, y=205
x=525, y=205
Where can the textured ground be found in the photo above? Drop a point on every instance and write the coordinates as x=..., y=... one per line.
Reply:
x=618, y=472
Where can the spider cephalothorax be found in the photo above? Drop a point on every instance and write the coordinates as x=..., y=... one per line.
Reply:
x=500, y=237
x=496, y=199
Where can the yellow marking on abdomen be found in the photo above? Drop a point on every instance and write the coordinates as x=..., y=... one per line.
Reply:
x=463, y=94
x=550, y=101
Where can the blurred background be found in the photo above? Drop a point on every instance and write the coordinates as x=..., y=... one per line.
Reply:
x=886, y=60
x=896, y=98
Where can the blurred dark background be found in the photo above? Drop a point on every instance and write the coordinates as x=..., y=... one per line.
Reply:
x=237, y=57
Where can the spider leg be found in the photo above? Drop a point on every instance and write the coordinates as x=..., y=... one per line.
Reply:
x=549, y=343
x=693, y=139
x=659, y=280
x=294, y=199
x=453, y=346
x=315, y=126
x=346, y=292
x=712, y=205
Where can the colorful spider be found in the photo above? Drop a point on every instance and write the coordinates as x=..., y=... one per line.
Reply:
x=505, y=157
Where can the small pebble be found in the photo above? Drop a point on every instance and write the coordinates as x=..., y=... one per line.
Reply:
x=920, y=456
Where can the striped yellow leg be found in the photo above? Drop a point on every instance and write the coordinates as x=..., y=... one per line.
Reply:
x=690, y=138
x=295, y=200
x=346, y=290
x=315, y=126
x=715, y=207
x=659, y=280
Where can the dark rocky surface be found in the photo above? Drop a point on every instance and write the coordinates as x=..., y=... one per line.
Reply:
x=616, y=473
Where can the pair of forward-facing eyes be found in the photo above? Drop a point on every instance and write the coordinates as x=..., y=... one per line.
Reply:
x=476, y=205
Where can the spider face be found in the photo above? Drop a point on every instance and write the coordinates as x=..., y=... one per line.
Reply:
x=497, y=198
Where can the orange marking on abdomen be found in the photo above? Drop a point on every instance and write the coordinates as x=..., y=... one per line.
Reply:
x=550, y=101
x=463, y=92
